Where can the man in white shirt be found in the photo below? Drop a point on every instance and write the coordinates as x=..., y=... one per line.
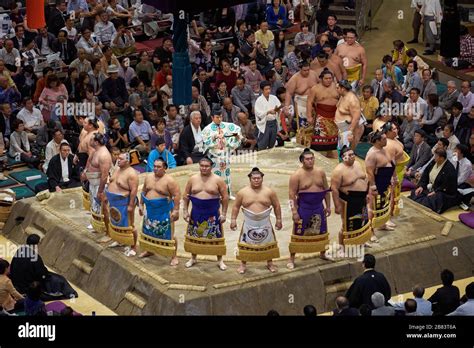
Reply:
x=62, y=171
x=52, y=148
x=431, y=14
x=466, y=309
x=267, y=108
x=464, y=171
x=89, y=44
x=31, y=117
x=10, y=55
x=104, y=30
x=466, y=97
x=416, y=105
x=70, y=29
x=448, y=133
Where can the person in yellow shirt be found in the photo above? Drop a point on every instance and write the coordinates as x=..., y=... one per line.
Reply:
x=400, y=57
x=369, y=105
x=263, y=35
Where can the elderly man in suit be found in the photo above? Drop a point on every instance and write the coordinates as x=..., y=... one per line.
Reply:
x=449, y=97
x=62, y=171
x=229, y=111
x=420, y=154
x=190, y=140
x=460, y=122
x=377, y=84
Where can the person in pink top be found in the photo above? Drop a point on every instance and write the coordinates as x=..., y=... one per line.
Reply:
x=253, y=76
x=53, y=92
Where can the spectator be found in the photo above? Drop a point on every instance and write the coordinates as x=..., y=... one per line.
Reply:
x=343, y=309
x=277, y=48
x=364, y=286
x=65, y=47
x=468, y=307
x=10, y=299
x=449, y=97
x=380, y=309
x=6, y=73
x=81, y=63
x=117, y=135
x=448, y=133
x=416, y=106
x=125, y=71
x=423, y=307
x=167, y=88
x=97, y=77
x=174, y=124
x=231, y=54
x=160, y=131
x=276, y=15
x=442, y=143
x=18, y=39
x=252, y=50
x=411, y=307
x=70, y=29
x=263, y=35
x=52, y=147
x=392, y=72
x=249, y=141
x=135, y=103
x=365, y=310
x=123, y=42
x=413, y=55
x=446, y=299
x=413, y=79
x=333, y=31
x=243, y=95
x=62, y=171
x=322, y=40
x=6, y=122
x=161, y=75
x=104, y=29
x=391, y=93
x=56, y=19
x=108, y=58
x=71, y=83
x=89, y=44
x=434, y=115
x=310, y=311
x=20, y=146
x=190, y=140
x=44, y=41
x=377, y=85
x=407, y=131
x=10, y=56
x=229, y=111
x=53, y=92
x=31, y=117
x=145, y=70
x=140, y=133
x=435, y=189
x=464, y=172
x=429, y=86
x=270, y=76
x=163, y=53
x=280, y=70
x=160, y=152
x=203, y=84
x=253, y=77
x=27, y=81
x=369, y=104
x=227, y=75
x=201, y=105
x=114, y=92
x=219, y=94
x=205, y=59
x=466, y=97
x=305, y=39
x=34, y=306
x=399, y=56
x=420, y=153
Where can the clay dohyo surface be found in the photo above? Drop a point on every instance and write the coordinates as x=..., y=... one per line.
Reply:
x=414, y=253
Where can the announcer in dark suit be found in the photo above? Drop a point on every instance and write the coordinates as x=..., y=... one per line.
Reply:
x=190, y=138
x=365, y=285
x=62, y=171
x=437, y=187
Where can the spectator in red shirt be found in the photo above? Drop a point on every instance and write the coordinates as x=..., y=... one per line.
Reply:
x=227, y=75
x=160, y=76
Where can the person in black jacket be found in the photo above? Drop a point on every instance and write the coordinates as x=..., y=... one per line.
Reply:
x=188, y=150
x=361, y=290
x=441, y=194
x=56, y=180
x=114, y=91
x=460, y=122
x=203, y=84
x=446, y=299
x=6, y=123
x=67, y=49
x=343, y=309
x=56, y=19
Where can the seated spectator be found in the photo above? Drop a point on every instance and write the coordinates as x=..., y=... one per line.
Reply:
x=249, y=140
x=81, y=63
x=243, y=96
x=333, y=31
x=377, y=85
x=159, y=79
x=413, y=55
x=416, y=106
x=20, y=146
x=305, y=39
x=56, y=19
x=206, y=59
x=71, y=82
x=466, y=97
x=6, y=73
x=420, y=153
x=390, y=93
x=160, y=131
x=6, y=122
x=10, y=55
x=413, y=79
x=10, y=299
x=44, y=41
x=281, y=71
x=174, y=124
x=31, y=117
x=369, y=105
x=343, y=309
x=163, y=53
x=52, y=148
x=408, y=133
x=229, y=111
x=423, y=307
x=201, y=104
x=145, y=69
x=448, y=133
x=310, y=311
x=66, y=47
x=123, y=42
x=104, y=29
x=18, y=39
x=442, y=143
x=464, y=172
x=160, y=152
x=53, y=92
x=429, y=86
x=364, y=286
x=140, y=133
x=466, y=309
x=392, y=72
x=108, y=58
x=26, y=81
x=252, y=50
x=89, y=44
x=380, y=309
x=276, y=15
x=410, y=307
x=117, y=135
x=435, y=189
x=30, y=55
x=70, y=29
x=27, y=267
x=433, y=117
x=449, y=97
x=125, y=71
x=167, y=89
x=114, y=92
x=277, y=47
x=400, y=57
x=270, y=76
x=446, y=298
x=253, y=77
x=227, y=75
x=34, y=306
x=62, y=170
x=321, y=41
x=219, y=94
x=263, y=35
x=118, y=13
x=147, y=98
x=203, y=84
x=9, y=94
x=190, y=140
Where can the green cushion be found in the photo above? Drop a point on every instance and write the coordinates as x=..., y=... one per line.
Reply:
x=362, y=149
x=32, y=183
x=22, y=175
x=12, y=162
x=8, y=182
x=22, y=192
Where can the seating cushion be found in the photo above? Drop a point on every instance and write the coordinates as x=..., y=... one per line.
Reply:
x=24, y=174
x=8, y=182
x=407, y=185
x=467, y=219
x=22, y=192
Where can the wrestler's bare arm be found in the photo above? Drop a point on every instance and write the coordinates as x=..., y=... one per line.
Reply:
x=335, y=185
x=309, y=104
x=186, y=193
x=290, y=90
x=327, y=198
x=354, y=109
x=224, y=195
x=133, y=185
x=342, y=69
x=175, y=192
x=276, y=205
x=293, y=190
x=105, y=163
x=370, y=164
x=145, y=188
x=363, y=60
x=236, y=207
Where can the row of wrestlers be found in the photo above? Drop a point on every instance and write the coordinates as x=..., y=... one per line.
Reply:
x=362, y=209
